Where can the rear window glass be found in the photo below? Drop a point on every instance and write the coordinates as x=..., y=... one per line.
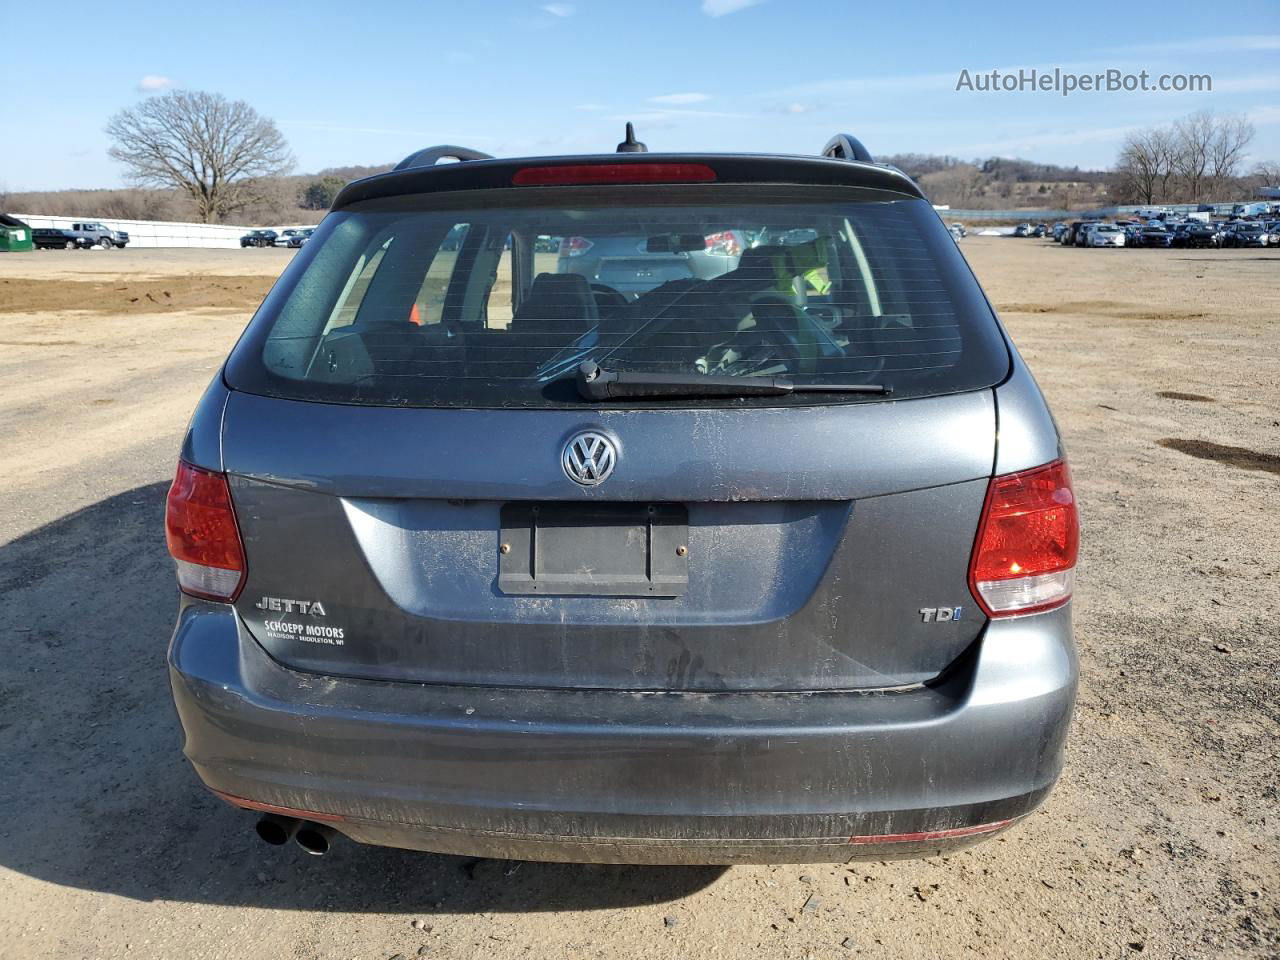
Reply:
x=422, y=301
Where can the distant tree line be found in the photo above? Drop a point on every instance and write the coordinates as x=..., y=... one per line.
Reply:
x=997, y=182
x=266, y=201
x=320, y=191
x=199, y=156
x=993, y=169
x=1197, y=159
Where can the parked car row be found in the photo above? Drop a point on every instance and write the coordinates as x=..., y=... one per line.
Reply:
x=1030, y=230
x=79, y=236
x=89, y=235
x=292, y=238
x=95, y=235
x=1167, y=233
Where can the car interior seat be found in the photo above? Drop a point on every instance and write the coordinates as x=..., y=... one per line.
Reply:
x=564, y=297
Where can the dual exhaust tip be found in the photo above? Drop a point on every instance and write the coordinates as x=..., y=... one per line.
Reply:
x=315, y=838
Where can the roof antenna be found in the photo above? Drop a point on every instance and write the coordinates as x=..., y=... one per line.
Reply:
x=631, y=144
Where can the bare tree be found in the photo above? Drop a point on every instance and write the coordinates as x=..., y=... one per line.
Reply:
x=203, y=144
x=1193, y=135
x=1195, y=159
x=1146, y=166
x=1227, y=149
x=1210, y=150
x=1266, y=173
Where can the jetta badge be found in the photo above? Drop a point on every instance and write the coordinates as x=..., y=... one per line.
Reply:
x=589, y=458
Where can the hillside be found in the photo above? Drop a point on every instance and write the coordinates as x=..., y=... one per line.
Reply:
x=300, y=198
x=1002, y=183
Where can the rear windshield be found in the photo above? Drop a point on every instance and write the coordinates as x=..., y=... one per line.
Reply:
x=494, y=298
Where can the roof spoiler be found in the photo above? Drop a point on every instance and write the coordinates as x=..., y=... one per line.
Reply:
x=842, y=146
x=430, y=156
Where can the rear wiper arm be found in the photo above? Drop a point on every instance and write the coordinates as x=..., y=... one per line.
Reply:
x=596, y=383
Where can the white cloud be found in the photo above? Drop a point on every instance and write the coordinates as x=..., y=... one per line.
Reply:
x=416, y=133
x=679, y=98
x=1015, y=146
x=153, y=82
x=794, y=108
x=718, y=8
x=1229, y=44
x=558, y=9
x=927, y=82
x=863, y=85
x=1264, y=116
x=1246, y=83
x=1022, y=145
x=668, y=115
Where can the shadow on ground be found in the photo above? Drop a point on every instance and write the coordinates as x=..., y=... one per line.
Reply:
x=97, y=795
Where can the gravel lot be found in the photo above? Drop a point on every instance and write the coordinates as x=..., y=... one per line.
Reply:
x=1163, y=838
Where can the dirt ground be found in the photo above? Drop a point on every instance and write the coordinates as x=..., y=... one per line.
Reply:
x=1163, y=838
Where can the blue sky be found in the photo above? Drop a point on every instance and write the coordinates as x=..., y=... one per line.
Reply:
x=370, y=82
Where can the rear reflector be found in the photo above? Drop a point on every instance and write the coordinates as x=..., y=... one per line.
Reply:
x=300, y=814
x=1025, y=555
x=200, y=529
x=596, y=173
x=954, y=833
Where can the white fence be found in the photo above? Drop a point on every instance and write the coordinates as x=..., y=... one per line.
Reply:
x=154, y=233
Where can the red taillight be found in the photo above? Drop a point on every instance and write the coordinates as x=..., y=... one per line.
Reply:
x=200, y=529
x=1025, y=555
x=725, y=244
x=597, y=173
x=574, y=246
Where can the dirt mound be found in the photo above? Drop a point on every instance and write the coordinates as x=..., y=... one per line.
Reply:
x=127, y=294
x=1101, y=308
x=1179, y=395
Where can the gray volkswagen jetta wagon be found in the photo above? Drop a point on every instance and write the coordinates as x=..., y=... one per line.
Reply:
x=485, y=553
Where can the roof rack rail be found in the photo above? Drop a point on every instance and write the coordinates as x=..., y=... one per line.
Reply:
x=845, y=147
x=430, y=156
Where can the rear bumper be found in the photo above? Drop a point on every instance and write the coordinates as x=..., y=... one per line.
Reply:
x=609, y=776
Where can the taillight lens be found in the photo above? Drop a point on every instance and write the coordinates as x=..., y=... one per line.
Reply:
x=724, y=244
x=574, y=246
x=200, y=529
x=1025, y=555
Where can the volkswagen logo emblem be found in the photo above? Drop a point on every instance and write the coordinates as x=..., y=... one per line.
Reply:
x=589, y=458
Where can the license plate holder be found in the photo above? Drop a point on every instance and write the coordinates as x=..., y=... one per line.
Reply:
x=594, y=549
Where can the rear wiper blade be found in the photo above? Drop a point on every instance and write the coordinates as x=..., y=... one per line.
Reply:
x=597, y=383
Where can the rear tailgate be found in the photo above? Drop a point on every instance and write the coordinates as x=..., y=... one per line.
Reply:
x=807, y=569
